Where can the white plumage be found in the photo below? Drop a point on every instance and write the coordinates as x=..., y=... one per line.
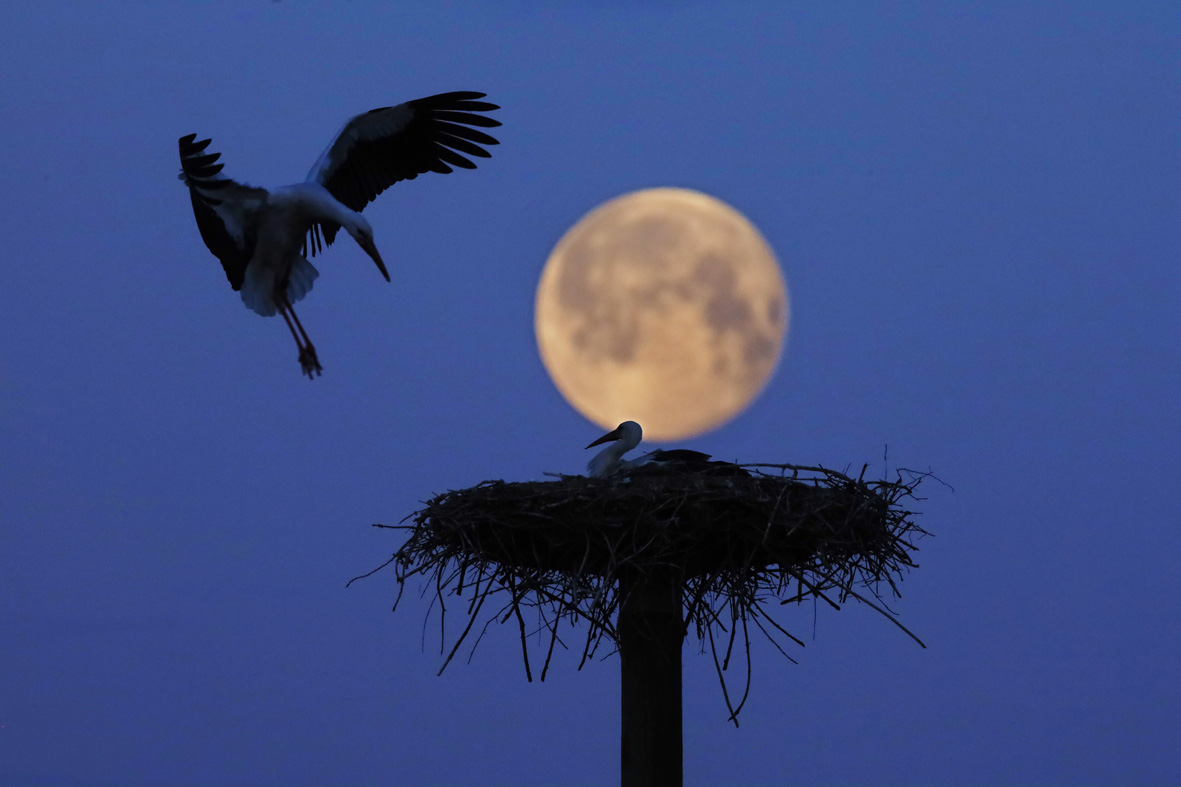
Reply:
x=628, y=435
x=263, y=238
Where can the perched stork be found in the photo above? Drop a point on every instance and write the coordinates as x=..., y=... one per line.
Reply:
x=628, y=435
x=263, y=238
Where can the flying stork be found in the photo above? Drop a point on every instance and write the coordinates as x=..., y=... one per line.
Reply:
x=263, y=237
x=628, y=435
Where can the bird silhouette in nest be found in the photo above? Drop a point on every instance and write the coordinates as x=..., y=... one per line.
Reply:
x=610, y=462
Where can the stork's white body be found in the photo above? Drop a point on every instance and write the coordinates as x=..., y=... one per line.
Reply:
x=291, y=212
x=627, y=435
x=262, y=237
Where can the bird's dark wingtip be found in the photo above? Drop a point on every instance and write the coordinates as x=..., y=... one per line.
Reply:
x=190, y=147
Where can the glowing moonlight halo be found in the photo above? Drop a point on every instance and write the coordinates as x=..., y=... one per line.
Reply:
x=663, y=306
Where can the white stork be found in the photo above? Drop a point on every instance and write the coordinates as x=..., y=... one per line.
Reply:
x=262, y=237
x=628, y=435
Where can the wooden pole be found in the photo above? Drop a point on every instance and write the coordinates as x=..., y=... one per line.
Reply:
x=650, y=631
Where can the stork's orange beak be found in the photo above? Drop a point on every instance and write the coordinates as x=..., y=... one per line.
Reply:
x=371, y=249
x=612, y=435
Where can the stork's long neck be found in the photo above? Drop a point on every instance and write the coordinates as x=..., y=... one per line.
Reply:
x=318, y=205
x=607, y=461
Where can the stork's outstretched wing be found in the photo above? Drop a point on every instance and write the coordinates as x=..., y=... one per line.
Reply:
x=225, y=210
x=380, y=147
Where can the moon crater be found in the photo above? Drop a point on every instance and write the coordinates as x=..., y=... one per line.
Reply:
x=664, y=306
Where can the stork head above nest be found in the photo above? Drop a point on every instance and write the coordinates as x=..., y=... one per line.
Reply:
x=627, y=436
x=610, y=460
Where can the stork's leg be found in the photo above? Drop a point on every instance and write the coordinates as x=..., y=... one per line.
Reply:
x=306, y=341
x=290, y=327
x=307, y=353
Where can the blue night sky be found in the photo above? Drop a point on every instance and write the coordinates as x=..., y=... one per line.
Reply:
x=975, y=206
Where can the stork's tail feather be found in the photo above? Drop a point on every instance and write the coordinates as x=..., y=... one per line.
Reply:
x=258, y=286
x=299, y=282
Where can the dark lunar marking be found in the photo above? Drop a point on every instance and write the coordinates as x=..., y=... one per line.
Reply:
x=573, y=287
x=758, y=351
x=775, y=309
x=623, y=348
x=727, y=312
x=715, y=272
x=579, y=338
x=650, y=239
x=622, y=335
x=607, y=330
x=659, y=297
x=724, y=309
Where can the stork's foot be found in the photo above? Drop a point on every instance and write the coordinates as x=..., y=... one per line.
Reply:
x=309, y=362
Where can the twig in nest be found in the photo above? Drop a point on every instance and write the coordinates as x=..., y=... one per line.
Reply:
x=739, y=544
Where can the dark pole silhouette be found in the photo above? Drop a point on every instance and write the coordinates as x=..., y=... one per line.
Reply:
x=650, y=632
x=643, y=561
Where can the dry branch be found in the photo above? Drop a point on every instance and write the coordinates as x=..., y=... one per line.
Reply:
x=743, y=546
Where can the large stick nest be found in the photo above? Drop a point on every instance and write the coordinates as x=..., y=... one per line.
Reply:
x=552, y=551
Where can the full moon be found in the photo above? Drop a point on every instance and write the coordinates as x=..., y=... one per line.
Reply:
x=663, y=306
